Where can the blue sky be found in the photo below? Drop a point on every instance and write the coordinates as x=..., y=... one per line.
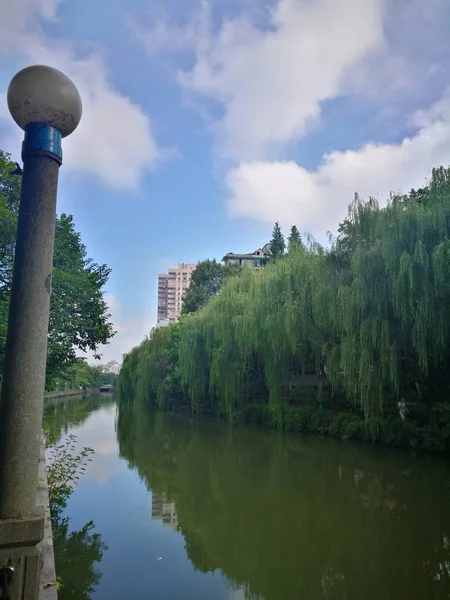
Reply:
x=207, y=120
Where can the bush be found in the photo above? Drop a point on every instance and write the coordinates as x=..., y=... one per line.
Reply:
x=256, y=414
x=395, y=432
x=355, y=429
x=350, y=426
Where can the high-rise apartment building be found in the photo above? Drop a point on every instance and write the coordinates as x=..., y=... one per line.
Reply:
x=171, y=289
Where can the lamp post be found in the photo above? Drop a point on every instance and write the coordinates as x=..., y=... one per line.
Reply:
x=47, y=106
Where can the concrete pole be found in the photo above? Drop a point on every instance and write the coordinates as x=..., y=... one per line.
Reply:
x=26, y=346
x=47, y=106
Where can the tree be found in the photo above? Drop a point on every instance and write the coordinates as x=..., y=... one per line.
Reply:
x=80, y=373
x=9, y=183
x=79, y=318
x=294, y=240
x=97, y=377
x=206, y=282
x=9, y=205
x=277, y=244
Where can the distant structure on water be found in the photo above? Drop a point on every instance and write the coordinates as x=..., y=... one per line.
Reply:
x=106, y=389
x=172, y=287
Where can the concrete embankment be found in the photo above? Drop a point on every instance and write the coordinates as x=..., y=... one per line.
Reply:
x=67, y=394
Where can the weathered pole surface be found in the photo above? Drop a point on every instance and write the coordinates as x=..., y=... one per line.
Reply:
x=47, y=106
x=26, y=346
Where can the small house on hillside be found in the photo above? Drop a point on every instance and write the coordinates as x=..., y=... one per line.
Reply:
x=254, y=260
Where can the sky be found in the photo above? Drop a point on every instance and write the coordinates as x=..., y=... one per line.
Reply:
x=205, y=121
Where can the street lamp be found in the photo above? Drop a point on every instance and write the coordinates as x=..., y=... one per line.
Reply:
x=47, y=106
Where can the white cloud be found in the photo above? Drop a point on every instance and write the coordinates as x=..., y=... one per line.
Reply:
x=265, y=82
x=163, y=36
x=114, y=141
x=413, y=60
x=22, y=18
x=318, y=200
x=270, y=82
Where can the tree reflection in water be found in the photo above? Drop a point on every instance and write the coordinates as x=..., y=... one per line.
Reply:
x=75, y=555
x=286, y=517
x=76, y=552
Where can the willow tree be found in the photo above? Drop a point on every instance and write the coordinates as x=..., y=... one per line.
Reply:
x=150, y=372
x=269, y=317
x=393, y=310
x=213, y=367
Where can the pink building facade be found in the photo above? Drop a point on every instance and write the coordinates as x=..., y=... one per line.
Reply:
x=171, y=289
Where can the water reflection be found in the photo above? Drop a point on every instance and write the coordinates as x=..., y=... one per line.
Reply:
x=164, y=510
x=285, y=517
x=61, y=414
x=77, y=552
x=76, y=555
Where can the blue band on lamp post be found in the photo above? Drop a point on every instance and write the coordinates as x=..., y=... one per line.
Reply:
x=41, y=137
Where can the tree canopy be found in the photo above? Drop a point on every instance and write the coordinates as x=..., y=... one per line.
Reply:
x=294, y=240
x=277, y=244
x=81, y=373
x=206, y=281
x=79, y=316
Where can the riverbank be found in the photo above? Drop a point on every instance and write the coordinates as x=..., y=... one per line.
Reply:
x=50, y=395
x=390, y=431
x=67, y=394
x=309, y=419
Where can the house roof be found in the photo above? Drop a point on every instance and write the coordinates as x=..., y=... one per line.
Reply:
x=247, y=256
x=251, y=256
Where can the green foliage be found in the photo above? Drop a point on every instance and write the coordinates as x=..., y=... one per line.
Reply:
x=75, y=552
x=99, y=377
x=80, y=373
x=153, y=375
x=63, y=471
x=277, y=244
x=79, y=317
x=206, y=282
x=9, y=183
x=370, y=315
x=294, y=240
x=9, y=203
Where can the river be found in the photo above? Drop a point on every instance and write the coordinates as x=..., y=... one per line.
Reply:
x=174, y=508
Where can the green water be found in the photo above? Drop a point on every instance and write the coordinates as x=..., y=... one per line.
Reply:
x=194, y=509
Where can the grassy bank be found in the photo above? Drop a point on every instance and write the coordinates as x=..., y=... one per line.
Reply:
x=391, y=431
